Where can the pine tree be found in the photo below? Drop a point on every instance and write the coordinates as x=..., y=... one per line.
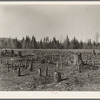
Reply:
x=34, y=43
x=23, y=43
x=41, y=44
x=67, y=43
x=81, y=45
x=28, y=42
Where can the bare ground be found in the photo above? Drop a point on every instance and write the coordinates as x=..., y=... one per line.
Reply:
x=88, y=80
x=72, y=80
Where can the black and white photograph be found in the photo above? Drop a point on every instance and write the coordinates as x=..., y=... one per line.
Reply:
x=49, y=47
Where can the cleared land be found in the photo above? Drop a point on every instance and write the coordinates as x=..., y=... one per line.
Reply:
x=59, y=60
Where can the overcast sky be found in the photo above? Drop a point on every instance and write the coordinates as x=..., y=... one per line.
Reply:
x=83, y=22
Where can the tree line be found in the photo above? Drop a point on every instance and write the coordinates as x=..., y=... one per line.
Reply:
x=46, y=43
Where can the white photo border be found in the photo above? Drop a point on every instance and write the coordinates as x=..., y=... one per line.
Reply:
x=49, y=94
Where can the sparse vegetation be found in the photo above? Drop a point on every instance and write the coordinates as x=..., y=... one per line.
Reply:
x=29, y=73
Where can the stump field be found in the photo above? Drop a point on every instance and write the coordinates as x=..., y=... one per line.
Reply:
x=39, y=76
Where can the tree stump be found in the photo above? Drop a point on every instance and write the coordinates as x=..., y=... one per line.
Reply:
x=46, y=71
x=80, y=66
x=80, y=56
x=15, y=66
x=77, y=59
x=61, y=64
x=12, y=52
x=39, y=72
x=19, y=71
x=94, y=52
x=31, y=66
x=1, y=61
x=89, y=57
x=52, y=57
x=19, y=54
x=85, y=61
x=93, y=64
x=25, y=65
x=57, y=64
x=57, y=77
x=7, y=62
x=32, y=60
x=60, y=57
